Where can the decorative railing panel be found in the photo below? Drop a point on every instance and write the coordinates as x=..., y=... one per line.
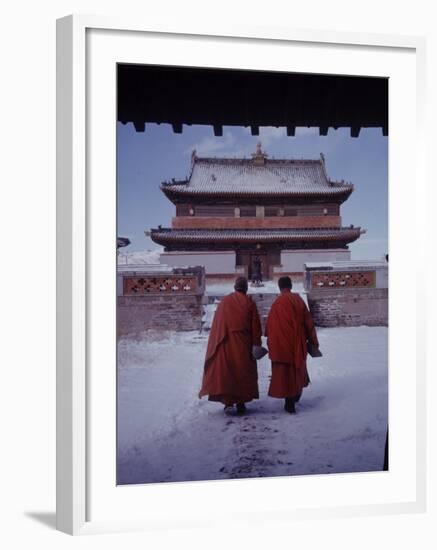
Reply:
x=172, y=284
x=343, y=279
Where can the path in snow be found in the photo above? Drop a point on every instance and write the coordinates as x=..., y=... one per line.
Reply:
x=167, y=434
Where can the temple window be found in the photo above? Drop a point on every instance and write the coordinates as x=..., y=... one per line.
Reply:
x=248, y=211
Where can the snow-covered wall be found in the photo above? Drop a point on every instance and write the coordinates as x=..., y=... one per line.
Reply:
x=292, y=261
x=342, y=274
x=348, y=293
x=159, y=299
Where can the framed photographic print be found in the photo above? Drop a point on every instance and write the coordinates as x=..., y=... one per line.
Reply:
x=230, y=332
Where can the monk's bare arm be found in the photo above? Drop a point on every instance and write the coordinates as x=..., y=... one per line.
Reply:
x=256, y=326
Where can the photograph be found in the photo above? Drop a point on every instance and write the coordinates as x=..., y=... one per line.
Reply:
x=252, y=274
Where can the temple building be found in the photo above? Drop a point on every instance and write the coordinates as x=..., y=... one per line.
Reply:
x=234, y=214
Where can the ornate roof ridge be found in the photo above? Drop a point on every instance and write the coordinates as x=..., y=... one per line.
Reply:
x=254, y=158
x=247, y=160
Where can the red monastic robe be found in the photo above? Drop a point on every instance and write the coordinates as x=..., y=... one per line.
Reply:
x=230, y=371
x=289, y=326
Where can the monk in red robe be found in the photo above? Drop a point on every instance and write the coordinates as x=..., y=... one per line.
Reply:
x=288, y=329
x=230, y=372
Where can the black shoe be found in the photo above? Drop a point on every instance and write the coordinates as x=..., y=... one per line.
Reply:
x=229, y=409
x=297, y=397
x=241, y=408
x=289, y=405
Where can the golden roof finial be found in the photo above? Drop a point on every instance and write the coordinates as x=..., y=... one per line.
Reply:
x=259, y=156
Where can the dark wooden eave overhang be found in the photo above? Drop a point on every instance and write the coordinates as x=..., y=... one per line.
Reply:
x=168, y=236
x=182, y=194
x=227, y=97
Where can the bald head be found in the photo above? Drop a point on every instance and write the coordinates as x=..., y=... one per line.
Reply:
x=285, y=283
x=241, y=284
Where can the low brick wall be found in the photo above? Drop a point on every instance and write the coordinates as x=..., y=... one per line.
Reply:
x=349, y=307
x=151, y=297
x=161, y=312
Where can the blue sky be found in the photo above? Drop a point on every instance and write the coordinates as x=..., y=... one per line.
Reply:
x=146, y=159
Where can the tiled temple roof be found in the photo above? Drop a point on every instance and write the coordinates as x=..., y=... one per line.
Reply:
x=257, y=176
x=165, y=236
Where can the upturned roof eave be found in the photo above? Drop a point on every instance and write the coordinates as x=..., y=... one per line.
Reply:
x=168, y=235
x=175, y=193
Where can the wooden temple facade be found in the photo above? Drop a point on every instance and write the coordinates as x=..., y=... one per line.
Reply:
x=233, y=213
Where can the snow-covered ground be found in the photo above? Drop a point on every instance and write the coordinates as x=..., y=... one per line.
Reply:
x=167, y=434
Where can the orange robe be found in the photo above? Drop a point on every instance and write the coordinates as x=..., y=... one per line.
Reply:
x=289, y=326
x=230, y=372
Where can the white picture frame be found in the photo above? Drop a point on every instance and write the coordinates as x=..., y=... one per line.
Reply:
x=77, y=340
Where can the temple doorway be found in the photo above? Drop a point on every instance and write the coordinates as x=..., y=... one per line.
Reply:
x=258, y=262
x=267, y=260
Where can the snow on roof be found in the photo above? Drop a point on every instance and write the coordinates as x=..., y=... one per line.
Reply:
x=244, y=176
x=139, y=257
